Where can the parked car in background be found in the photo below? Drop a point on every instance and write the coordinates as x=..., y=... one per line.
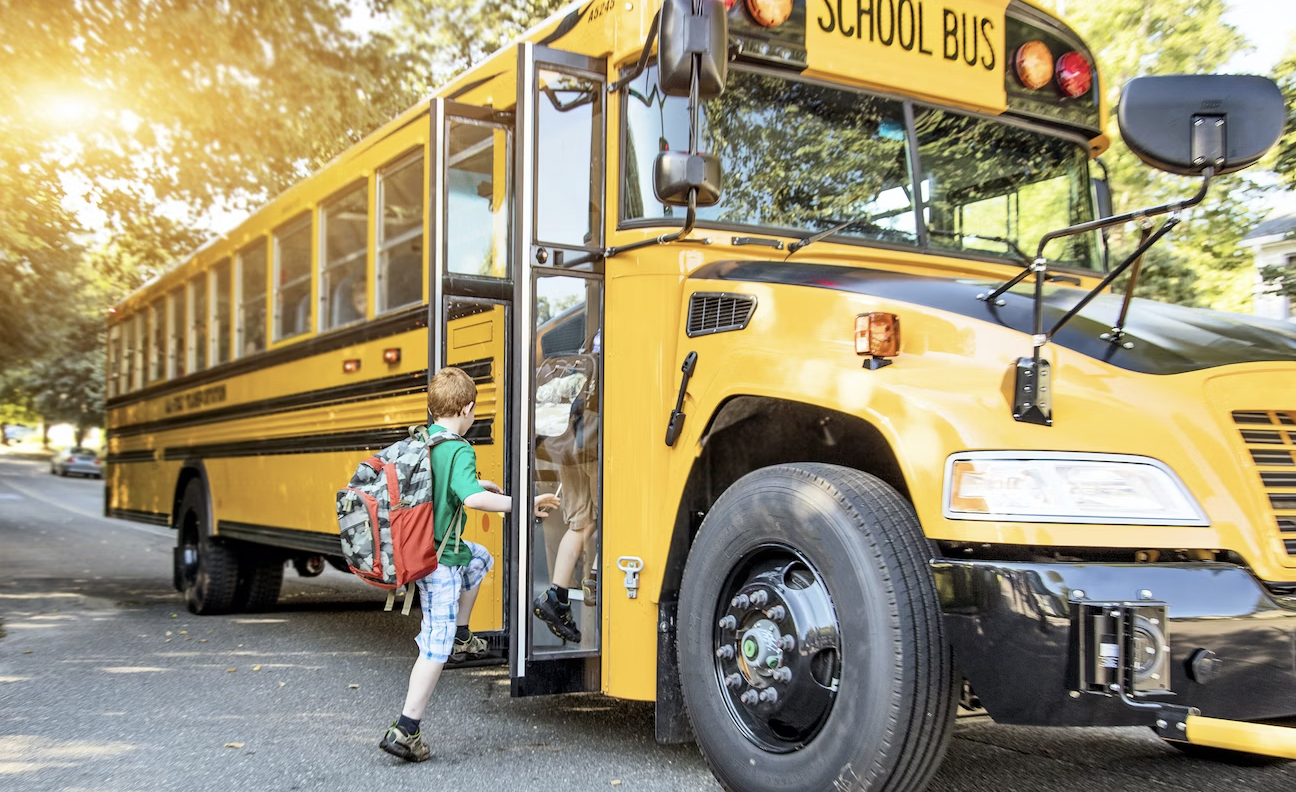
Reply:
x=77, y=461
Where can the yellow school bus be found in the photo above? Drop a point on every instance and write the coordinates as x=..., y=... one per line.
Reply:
x=804, y=310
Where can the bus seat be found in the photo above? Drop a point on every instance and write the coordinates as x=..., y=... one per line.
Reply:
x=302, y=318
x=341, y=311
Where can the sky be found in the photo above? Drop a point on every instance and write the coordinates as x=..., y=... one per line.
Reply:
x=1269, y=25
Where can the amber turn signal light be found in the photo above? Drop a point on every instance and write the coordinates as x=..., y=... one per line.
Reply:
x=351, y=366
x=877, y=334
x=391, y=355
x=769, y=13
x=1034, y=64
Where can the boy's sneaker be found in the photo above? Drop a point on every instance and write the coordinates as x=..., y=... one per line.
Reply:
x=471, y=649
x=409, y=747
x=556, y=615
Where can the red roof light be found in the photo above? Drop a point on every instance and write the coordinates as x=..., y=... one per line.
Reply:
x=1074, y=74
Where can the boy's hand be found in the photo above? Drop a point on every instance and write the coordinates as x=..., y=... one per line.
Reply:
x=490, y=486
x=546, y=502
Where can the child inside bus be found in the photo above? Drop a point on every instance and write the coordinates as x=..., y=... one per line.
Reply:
x=448, y=594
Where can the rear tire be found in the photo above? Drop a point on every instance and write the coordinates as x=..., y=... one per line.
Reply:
x=208, y=570
x=869, y=695
x=261, y=573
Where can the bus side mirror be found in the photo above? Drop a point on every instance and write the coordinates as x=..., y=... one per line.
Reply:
x=692, y=61
x=1184, y=124
x=676, y=173
x=688, y=37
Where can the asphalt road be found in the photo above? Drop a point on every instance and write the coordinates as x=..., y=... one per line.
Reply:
x=107, y=683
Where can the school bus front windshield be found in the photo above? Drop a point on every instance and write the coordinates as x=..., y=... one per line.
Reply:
x=803, y=157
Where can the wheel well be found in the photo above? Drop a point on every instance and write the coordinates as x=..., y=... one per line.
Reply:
x=751, y=432
x=745, y=434
x=190, y=472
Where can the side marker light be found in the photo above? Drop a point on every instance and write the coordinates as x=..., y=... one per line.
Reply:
x=877, y=335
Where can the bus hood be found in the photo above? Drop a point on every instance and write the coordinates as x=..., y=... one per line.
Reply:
x=1166, y=339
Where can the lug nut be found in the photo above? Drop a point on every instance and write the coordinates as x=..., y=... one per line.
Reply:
x=759, y=598
x=782, y=674
x=740, y=602
x=733, y=681
x=787, y=643
x=725, y=652
x=728, y=623
x=778, y=613
x=769, y=694
x=750, y=698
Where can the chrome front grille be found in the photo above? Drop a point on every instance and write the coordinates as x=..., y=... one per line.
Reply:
x=1270, y=437
x=718, y=312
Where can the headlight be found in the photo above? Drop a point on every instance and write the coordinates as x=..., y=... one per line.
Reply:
x=1058, y=487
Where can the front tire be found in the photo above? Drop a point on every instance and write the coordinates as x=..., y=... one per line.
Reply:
x=812, y=581
x=207, y=570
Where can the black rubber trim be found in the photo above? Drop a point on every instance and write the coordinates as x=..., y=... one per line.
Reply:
x=385, y=387
x=128, y=457
x=136, y=515
x=365, y=440
x=309, y=541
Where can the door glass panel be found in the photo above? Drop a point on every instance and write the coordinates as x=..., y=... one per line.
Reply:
x=569, y=160
x=565, y=545
x=477, y=209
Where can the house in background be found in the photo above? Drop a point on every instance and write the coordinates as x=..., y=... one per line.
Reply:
x=1274, y=243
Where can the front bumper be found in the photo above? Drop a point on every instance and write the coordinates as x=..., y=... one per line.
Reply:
x=1011, y=627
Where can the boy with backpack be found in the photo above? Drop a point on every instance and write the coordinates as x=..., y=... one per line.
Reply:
x=447, y=595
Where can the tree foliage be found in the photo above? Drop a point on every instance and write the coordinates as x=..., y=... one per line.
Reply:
x=1285, y=75
x=1172, y=37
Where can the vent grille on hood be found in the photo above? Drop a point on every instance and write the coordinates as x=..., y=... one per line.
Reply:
x=719, y=312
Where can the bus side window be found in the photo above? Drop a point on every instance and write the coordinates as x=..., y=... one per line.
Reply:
x=220, y=289
x=177, y=303
x=198, y=321
x=344, y=290
x=250, y=337
x=400, y=234
x=292, y=283
x=157, y=341
x=114, y=359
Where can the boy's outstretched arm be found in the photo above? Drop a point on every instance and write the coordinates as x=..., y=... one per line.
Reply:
x=499, y=502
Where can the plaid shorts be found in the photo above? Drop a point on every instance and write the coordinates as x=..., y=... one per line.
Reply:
x=439, y=596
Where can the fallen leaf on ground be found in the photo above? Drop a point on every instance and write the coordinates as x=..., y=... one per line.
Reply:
x=230, y=670
x=233, y=745
x=256, y=668
x=616, y=782
x=354, y=687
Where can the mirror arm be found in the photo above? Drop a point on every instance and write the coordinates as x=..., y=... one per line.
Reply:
x=613, y=87
x=1107, y=222
x=689, y=220
x=1147, y=242
x=1118, y=329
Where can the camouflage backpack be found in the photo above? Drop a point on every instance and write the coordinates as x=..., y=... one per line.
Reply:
x=385, y=515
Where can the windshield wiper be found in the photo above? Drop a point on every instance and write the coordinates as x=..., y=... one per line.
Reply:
x=827, y=232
